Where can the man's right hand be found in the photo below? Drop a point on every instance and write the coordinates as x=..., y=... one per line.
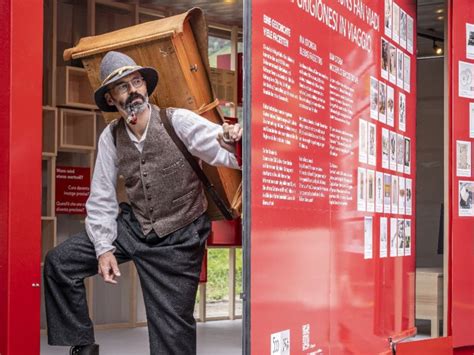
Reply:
x=108, y=267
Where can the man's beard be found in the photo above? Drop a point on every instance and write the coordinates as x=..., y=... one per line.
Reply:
x=132, y=109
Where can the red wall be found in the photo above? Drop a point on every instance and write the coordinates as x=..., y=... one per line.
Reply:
x=21, y=41
x=312, y=285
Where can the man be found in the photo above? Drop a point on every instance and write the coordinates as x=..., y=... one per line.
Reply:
x=163, y=230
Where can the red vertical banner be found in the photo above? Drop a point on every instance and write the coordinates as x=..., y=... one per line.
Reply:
x=461, y=117
x=332, y=175
x=21, y=44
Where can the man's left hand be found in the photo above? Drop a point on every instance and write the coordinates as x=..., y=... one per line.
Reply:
x=229, y=136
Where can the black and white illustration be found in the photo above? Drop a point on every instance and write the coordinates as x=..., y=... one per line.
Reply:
x=402, y=111
x=401, y=195
x=410, y=34
x=401, y=237
x=392, y=64
x=465, y=199
x=388, y=18
x=463, y=158
x=370, y=190
x=374, y=98
x=384, y=58
x=382, y=102
x=372, y=148
x=378, y=192
x=396, y=22
x=407, y=160
x=469, y=40
x=387, y=193
x=407, y=237
x=400, y=153
x=390, y=105
x=400, y=60
x=466, y=84
x=393, y=150
x=394, y=194
x=403, y=29
x=408, y=196
x=406, y=72
x=385, y=148
x=361, y=189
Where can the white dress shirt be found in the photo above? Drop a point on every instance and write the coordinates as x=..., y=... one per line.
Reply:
x=198, y=135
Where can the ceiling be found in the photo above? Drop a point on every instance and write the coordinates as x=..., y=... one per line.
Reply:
x=431, y=19
x=431, y=16
x=226, y=12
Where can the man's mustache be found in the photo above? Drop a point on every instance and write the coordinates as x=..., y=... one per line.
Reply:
x=134, y=96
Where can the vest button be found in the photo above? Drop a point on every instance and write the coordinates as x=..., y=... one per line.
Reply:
x=151, y=209
x=143, y=161
x=148, y=198
x=147, y=186
x=145, y=173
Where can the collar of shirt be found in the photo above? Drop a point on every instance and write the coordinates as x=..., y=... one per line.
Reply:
x=133, y=137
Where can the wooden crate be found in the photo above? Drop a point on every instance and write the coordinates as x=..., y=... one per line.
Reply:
x=74, y=89
x=177, y=47
x=77, y=130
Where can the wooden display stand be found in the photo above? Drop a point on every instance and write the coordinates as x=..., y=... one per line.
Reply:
x=429, y=296
x=77, y=130
x=74, y=89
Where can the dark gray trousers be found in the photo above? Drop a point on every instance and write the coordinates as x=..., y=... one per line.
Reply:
x=169, y=275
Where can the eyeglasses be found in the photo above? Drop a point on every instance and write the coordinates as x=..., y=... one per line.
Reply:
x=122, y=88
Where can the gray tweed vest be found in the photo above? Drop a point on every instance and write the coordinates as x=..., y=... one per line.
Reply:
x=164, y=191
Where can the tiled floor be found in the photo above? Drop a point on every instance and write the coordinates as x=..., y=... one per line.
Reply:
x=214, y=338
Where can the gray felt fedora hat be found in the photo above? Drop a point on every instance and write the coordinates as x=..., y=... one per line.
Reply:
x=113, y=67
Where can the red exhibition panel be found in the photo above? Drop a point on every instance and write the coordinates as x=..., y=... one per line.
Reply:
x=21, y=54
x=333, y=87
x=461, y=63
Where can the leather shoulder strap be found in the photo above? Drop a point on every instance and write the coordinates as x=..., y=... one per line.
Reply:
x=226, y=212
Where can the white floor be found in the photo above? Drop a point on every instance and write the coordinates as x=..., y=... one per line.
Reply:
x=214, y=338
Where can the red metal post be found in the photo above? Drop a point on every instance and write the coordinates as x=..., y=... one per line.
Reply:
x=21, y=46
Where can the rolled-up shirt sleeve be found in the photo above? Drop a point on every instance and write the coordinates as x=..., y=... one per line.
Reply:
x=200, y=137
x=102, y=206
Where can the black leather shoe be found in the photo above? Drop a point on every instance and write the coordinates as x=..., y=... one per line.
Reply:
x=91, y=349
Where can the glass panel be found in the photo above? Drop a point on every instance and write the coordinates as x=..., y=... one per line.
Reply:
x=219, y=52
x=217, y=283
x=238, y=281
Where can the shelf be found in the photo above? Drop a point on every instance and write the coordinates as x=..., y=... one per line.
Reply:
x=48, y=166
x=77, y=130
x=74, y=89
x=50, y=131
